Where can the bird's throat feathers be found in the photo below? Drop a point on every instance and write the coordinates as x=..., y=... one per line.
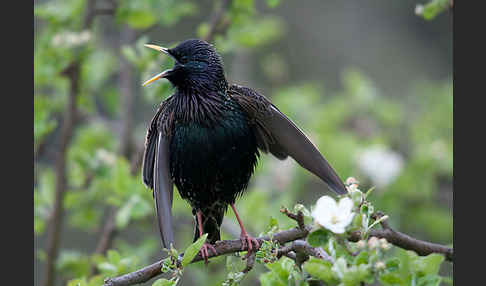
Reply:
x=201, y=84
x=201, y=106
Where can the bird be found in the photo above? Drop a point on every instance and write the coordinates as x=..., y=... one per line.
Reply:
x=206, y=139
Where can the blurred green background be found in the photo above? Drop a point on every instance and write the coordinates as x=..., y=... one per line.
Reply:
x=369, y=81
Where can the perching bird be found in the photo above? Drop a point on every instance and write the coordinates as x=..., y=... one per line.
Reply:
x=206, y=140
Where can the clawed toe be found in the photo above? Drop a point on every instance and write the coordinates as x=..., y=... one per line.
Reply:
x=247, y=243
x=205, y=253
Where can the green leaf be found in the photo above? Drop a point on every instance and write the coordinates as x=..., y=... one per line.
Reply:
x=234, y=264
x=320, y=269
x=303, y=209
x=129, y=53
x=272, y=226
x=356, y=274
x=140, y=19
x=362, y=258
x=177, y=10
x=164, y=282
x=391, y=279
x=272, y=3
x=270, y=279
x=392, y=264
x=430, y=10
x=340, y=267
x=319, y=237
x=61, y=13
x=123, y=215
x=107, y=267
x=193, y=250
x=233, y=279
x=113, y=256
x=284, y=271
x=428, y=265
x=429, y=280
x=77, y=282
x=96, y=280
x=73, y=263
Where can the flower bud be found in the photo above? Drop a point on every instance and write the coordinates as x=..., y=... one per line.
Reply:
x=356, y=195
x=361, y=244
x=373, y=243
x=384, y=244
x=380, y=265
x=351, y=181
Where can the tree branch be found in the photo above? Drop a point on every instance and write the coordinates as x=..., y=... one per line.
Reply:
x=222, y=247
x=217, y=24
x=56, y=217
x=107, y=235
x=125, y=84
x=296, y=248
x=405, y=241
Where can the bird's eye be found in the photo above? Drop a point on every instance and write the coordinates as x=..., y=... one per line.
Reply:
x=183, y=59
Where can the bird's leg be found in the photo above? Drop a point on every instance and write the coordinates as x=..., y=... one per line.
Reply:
x=204, y=248
x=246, y=239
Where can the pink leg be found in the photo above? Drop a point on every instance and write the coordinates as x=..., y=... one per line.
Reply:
x=246, y=239
x=204, y=248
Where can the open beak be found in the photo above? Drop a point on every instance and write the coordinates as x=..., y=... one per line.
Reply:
x=156, y=77
x=162, y=74
x=158, y=48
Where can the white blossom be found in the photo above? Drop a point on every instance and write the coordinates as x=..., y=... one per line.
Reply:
x=419, y=10
x=380, y=164
x=333, y=216
x=380, y=265
x=106, y=157
x=69, y=39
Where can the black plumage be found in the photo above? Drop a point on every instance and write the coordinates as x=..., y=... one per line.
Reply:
x=206, y=140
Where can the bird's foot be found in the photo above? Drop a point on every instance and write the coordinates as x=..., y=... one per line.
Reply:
x=247, y=243
x=205, y=253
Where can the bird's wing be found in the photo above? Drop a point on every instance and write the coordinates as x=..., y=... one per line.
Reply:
x=277, y=134
x=155, y=174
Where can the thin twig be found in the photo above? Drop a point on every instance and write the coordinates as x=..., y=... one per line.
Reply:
x=301, y=250
x=217, y=25
x=304, y=247
x=250, y=262
x=57, y=215
x=125, y=84
x=67, y=131
x=107, y=236
x=299, y=217
x=109, y=230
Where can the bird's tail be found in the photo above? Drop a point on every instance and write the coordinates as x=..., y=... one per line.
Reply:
x=212, y=218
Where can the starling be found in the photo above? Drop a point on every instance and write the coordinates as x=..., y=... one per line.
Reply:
x=206, y=139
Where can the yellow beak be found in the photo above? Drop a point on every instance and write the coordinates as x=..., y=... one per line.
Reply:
x=162, y=74
x=157, y=48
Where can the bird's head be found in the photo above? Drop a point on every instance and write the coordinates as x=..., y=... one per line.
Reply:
x=197, y=66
